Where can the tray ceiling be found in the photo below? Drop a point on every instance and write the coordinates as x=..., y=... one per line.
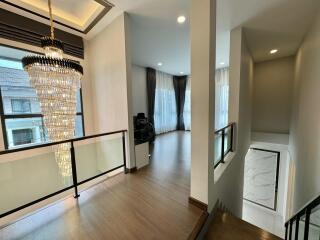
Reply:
x=80, y=15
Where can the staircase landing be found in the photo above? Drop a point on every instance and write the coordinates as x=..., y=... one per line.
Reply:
x=225, y=226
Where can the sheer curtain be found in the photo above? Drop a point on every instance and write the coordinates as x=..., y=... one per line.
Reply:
x=165, y=109
x=221, y=104
x=187, y=106
x=222, y=98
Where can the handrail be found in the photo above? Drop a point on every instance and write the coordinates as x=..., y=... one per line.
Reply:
x=222, y=150
x=314, y=199
x=75, y=182
x=7, y=151
x=221, y=129
x=305, y=210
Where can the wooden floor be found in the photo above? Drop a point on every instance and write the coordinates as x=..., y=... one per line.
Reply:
x=226, y=227
x=149, y=204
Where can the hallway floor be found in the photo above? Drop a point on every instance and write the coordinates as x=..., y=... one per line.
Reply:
x=149, y=204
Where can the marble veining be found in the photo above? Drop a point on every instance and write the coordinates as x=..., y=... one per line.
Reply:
x=260, y=177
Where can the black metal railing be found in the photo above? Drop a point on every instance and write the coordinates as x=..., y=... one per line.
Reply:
x=305, y=224
x=224, y=139
x=75, y=183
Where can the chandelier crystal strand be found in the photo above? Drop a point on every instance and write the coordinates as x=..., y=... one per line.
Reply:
x=56, y=81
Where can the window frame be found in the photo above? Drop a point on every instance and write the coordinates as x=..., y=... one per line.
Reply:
x=22, y=129
x=12, y=100
x=5, y=116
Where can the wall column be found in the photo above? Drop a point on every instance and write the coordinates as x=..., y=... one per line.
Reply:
x=203, y=34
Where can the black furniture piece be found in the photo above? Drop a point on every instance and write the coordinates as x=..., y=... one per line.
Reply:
x=143, y=129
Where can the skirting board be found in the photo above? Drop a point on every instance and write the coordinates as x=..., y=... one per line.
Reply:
x=198, y=204
x=131, y=170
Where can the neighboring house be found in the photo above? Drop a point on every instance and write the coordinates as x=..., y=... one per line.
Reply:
x=22, y=112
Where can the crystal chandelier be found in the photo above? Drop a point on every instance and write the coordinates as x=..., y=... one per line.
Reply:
x=56, y=81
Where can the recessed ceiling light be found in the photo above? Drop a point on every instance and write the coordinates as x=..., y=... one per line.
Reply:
x=222, y=63
x=160, y=63
x=181, y=19
x=181, y=72
x=273, y=51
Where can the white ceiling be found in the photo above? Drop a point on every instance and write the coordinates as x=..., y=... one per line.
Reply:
x=269, y=24
x=157, y=37
x=280, y=25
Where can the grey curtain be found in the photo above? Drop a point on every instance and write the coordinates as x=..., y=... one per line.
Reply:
x=180, y=84
x=151, y=92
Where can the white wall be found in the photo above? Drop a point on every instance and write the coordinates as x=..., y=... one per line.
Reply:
x=229, y=186
x=272, y=95
x=139, y=90
x=305, y=130
x=87, y=93
x=270, y=137
x=109, y=59
x=107, y=64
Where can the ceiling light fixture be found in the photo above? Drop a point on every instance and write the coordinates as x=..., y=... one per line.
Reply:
x=181, y=19
x=222, y=63
x=273, y=51
x=160, y=64
x=181, y=73
x=56, y=81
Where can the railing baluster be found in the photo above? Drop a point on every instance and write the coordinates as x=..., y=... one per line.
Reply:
x=231, y=137
x=307, y=222
x=296, y=234
x=290, y=230
x=223, y=133
x=74, y=171
x=124, y=153
x=3, y=122
x=305, y=211
x=222, y=146
x=286, y=234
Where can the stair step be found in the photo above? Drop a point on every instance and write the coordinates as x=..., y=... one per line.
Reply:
x=225, y=226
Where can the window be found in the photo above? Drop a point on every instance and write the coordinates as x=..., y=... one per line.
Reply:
x=21, y=117
x=165, y=110
x=222, y=98
x=20, y=106
x=22, y=136
x=15, y=138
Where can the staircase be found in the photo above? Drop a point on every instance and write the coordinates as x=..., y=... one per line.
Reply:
x=225, y=226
